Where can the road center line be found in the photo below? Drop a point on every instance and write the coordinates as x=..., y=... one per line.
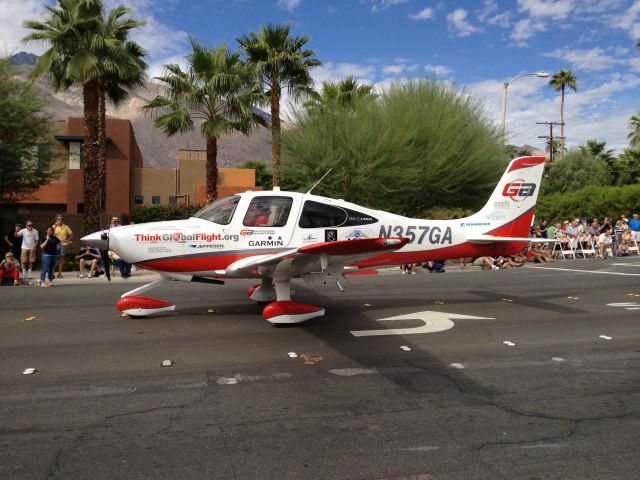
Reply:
x=588, y=271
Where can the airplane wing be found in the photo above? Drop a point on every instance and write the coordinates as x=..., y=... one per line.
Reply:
x=491, y=239
x=326, y=256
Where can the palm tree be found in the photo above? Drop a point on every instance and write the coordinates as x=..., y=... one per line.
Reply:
x=123, y=69
x=341, y=93
x=634, y=125
x=281, y=62
x=218, y=90
x=87, y=50
x=598, y=151
x=560, y=81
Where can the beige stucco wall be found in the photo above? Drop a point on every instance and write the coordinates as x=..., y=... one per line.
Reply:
x=149, y=182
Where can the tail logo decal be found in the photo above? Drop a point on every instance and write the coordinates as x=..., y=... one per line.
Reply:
x=518, y=190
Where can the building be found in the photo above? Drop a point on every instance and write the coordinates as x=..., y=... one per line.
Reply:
x=129, y=183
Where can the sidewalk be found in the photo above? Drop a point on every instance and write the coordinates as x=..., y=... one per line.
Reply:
x=72, y=278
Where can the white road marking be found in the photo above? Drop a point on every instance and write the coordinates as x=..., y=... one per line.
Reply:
x=509, y=344
x=605, y=337
x=433, y=322
x=626, y=305
x=588, y=271
x=350, y=372
x=405, y=348
x=626, y=264
x=457, y=365
x=238, y=378
x=426, y=448
x=292, y=355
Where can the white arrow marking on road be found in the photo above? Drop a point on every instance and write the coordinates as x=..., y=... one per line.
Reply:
x=433, y=322
x=627, y=305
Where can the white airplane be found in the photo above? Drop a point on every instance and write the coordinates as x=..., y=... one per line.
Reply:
x=277, y=236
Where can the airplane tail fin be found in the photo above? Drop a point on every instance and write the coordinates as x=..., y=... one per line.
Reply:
x=509, y=211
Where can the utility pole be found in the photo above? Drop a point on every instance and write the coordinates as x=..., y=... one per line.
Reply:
x=550, y=137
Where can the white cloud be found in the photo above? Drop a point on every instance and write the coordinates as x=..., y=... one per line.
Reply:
x=525, y=29
x=628, y=20
x=489, y=7
x=557, y=9
x=379, y=5
x=330, y=71
x=161, y=40
x=501, y=20
x=458, y=23
x=595, y=59
x=438, y=70
x=12, y=14
x=289, y=5
x=424, y=14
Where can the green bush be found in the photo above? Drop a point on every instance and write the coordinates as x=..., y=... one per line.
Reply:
x=591, y=201
x=158, y=213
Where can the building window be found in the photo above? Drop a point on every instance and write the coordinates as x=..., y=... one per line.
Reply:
x=75, y=156
x=155, y=199
x=138, y=199
x=80, y=208
x=173, y=200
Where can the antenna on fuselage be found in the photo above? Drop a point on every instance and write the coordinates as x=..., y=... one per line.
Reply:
x=318, y=182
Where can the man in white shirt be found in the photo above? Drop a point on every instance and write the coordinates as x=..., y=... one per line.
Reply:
x=28, y=250
x=604, y=243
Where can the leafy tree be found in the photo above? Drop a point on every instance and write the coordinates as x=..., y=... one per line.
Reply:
x=576, y=170
x=626, y=168
x=421, y=144
x=590, y=201
x=560, y=81
x=24, y=146
x=634, y=136
x=280, y=62
x=341, y=93
x=87, y=50
x=218, y=91
x=263, y=175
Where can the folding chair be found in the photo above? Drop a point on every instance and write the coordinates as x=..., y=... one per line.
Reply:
x=565, y=249
x=634, y=246
x=587, y=248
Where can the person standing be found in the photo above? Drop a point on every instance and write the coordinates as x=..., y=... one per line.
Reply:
x=634, y=226
x=63, y=233
x=49, y=254
x=30, y=237
x=14, y=242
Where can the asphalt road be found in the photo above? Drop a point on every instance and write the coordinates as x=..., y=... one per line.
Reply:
x=560, y=403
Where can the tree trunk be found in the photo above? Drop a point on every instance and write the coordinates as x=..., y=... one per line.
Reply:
x=562, y=123
x=102, y=146
x=90, y=147
x=212, y=168
x=275, y=132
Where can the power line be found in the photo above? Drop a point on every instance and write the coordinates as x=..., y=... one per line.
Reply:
x=550, y=137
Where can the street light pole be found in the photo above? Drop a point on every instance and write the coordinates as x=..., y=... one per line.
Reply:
x=505, y=85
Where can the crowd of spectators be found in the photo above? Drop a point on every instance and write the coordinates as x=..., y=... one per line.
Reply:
x=20, y=248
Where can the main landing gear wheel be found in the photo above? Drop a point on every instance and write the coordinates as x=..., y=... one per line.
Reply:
x=137, y=306
x=288, y=312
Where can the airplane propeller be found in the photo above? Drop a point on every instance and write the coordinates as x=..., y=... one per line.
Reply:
x=106, y=260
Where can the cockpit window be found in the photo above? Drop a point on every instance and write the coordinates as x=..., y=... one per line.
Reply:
x=268, y=212
x=321, y=215
x=220, y=211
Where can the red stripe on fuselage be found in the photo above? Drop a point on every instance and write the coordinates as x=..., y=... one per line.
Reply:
x=197, y=264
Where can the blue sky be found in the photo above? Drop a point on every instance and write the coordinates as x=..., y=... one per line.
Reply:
x=477, y=45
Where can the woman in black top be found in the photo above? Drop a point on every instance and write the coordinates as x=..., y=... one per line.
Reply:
x=49, y=256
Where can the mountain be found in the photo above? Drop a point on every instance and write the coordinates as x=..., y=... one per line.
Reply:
x=158, y=150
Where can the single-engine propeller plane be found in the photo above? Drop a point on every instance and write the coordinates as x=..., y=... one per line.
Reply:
x=277, y=236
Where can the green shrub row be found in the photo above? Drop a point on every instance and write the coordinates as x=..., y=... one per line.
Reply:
x=157, y=213
x=591, y=201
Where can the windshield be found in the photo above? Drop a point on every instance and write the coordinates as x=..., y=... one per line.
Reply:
x=220, y=211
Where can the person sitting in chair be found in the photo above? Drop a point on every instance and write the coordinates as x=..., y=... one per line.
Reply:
x=10, y=269
x=88, y=254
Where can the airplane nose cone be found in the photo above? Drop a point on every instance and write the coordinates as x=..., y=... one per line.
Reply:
x=97, y=239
